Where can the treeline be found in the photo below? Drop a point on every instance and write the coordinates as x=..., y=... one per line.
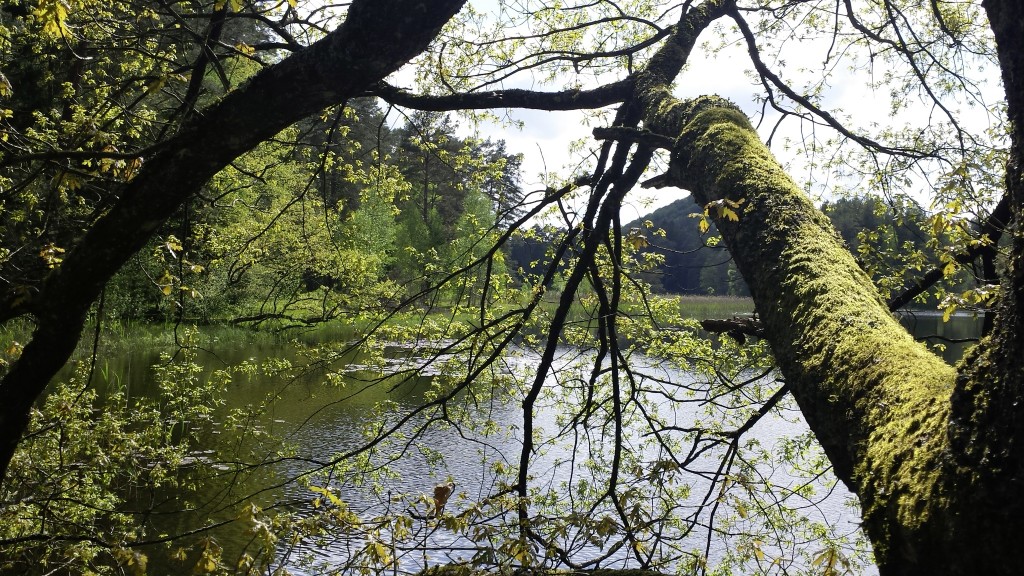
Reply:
x=354, y=210
x=366, y=213
x=681, y=259
x=362, y=209
x=361, y=214
x=889, y=240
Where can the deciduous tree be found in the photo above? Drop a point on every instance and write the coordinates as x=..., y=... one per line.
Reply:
x=933, y=452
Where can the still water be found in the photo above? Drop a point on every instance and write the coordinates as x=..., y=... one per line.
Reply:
x=321, y=423
x=950, y=339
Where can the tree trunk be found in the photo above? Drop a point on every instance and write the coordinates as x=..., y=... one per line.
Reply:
x=879, y=402
x=377, y=37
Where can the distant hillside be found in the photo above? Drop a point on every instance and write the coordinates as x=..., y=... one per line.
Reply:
x=693, y=264
x=696, y=264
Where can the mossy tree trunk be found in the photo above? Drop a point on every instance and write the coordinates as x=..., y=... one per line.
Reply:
x=932, y=452
x=891, y=416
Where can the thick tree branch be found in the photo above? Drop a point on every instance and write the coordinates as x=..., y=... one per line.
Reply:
x=634, y=136
x=606, y=95
x=737, y=328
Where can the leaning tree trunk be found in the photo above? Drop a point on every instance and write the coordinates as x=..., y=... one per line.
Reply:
x=879, y=402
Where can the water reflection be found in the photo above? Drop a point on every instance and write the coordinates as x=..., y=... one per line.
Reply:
x=949, y=338
x=326, y=423
x=469, y=456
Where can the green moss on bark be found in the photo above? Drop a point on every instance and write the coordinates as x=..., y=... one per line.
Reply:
x=877, y=400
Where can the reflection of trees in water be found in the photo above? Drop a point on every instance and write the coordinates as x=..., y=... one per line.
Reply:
x=949, y=338
x=343, y=472
x=597, y=483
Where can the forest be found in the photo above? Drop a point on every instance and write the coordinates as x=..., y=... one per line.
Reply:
x=305, y=234
x=278, y=295
x=886, y=237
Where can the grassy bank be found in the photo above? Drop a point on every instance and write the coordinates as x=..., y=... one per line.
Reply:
x=704, y=307
x=123, y=336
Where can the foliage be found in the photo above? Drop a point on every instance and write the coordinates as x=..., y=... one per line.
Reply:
x=78, y=488
x=694, y=261
x=608, y=428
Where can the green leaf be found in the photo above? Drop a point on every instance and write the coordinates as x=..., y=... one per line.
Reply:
x=949, y=269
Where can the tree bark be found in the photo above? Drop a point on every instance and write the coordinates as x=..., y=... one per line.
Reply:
x=879, y=402
x=377, y=37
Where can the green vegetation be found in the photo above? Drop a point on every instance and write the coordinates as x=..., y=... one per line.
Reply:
x=325, y=229
x=704, y=307
x=408, y=357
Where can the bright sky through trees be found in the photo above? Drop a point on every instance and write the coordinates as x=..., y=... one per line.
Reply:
x=721, y=65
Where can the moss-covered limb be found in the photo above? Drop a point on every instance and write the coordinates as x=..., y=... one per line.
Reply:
x=989, y=402
x=877, y=400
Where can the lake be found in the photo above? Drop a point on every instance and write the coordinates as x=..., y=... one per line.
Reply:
x=954, y=336
x=382, y=513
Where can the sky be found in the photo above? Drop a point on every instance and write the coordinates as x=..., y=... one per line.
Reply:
x=545, y=138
